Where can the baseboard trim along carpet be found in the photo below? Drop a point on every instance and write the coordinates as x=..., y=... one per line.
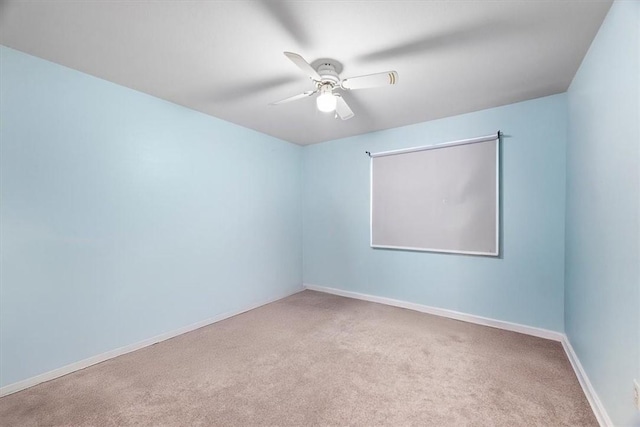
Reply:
x=515, y=327
x=596, y=405
x=583, y=379
x=85, y=363
x=590, y=393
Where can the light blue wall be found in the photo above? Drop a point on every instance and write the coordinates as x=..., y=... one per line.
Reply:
x=125, y=216
x=525, y=286
x=602, y=227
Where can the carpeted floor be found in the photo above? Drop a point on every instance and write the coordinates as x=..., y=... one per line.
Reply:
x=318, y=359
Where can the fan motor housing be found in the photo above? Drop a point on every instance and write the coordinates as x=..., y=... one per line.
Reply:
x=328, y=70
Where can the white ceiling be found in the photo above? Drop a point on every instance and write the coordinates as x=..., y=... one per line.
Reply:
x=225, y=58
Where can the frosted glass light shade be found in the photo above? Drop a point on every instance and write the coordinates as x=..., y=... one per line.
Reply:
x=326, y=102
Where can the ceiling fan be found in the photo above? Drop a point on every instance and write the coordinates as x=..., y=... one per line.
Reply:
x=326, y=79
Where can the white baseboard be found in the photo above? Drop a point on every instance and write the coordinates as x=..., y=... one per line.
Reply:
x=590, y=393
x=596, y=405
x=471, y=318
x=76, y=366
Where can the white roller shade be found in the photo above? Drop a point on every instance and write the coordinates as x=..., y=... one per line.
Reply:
x=442, y=198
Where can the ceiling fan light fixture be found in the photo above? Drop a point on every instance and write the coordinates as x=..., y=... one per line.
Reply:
x=326, y=101
x=326, y=79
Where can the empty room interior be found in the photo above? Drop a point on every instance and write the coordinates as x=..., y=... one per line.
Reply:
x=263, y=213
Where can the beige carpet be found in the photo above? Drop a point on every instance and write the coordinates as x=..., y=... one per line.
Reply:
x=317, y=359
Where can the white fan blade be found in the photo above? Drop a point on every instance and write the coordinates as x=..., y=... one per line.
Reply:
x=304, y=66
x=294, y=97
x=342, y=109
x=371, y=80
